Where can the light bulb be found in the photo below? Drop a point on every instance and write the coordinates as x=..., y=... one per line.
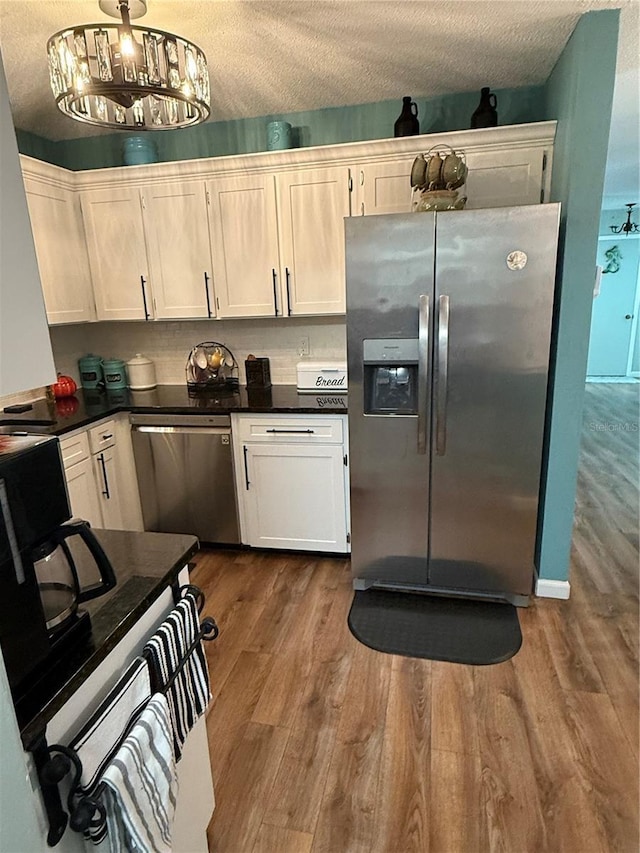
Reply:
x=126, y=45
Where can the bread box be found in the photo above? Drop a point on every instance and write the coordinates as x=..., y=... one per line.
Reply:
x=322, y=376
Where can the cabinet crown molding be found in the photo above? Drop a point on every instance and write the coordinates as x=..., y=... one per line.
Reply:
x=348, y=154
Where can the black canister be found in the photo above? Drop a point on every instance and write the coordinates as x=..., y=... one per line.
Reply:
x=258, y=372
x=407, y=123
x=485, y=114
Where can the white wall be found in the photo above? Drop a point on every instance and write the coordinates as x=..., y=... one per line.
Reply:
x=20, y=830
x=169, y=343
x=25, y=350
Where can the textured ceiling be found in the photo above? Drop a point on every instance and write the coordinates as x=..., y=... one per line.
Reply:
x=268, y=57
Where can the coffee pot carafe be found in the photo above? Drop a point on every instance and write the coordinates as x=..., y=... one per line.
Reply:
x=57, y=575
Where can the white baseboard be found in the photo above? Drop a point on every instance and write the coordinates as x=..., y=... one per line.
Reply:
x=630, y=379
x=552, y=589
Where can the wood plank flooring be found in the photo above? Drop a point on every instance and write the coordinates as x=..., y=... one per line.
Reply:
x=321, y=745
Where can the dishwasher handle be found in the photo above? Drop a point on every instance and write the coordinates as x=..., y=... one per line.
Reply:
x=177, y=430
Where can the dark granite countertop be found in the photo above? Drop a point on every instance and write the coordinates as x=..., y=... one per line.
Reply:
x=85, y=407
x=145, y=565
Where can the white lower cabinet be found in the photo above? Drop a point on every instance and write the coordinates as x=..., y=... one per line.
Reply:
x=83, y=494
x=292, y=481
x=100, y=475
x=111, y=511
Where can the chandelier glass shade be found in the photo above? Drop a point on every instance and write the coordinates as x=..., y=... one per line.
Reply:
x=123, y=76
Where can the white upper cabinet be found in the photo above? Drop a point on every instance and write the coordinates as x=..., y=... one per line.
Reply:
x=61, y=251
x=179, y=254
x=312, y=205
x=505, y=178
x=244, y=240
x=258, y=235
x=383, y=187
x=117, y=255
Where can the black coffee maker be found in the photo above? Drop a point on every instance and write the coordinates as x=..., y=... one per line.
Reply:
x=39, y=584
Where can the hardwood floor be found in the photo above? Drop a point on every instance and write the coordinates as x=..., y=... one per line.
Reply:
x=321, y=745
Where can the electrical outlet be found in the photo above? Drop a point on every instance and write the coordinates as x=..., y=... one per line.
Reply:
x=303, y=346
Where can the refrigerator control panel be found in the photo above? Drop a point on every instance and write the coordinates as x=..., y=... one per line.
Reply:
x=390, y=350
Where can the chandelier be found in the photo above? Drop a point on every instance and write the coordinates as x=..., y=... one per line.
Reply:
x=122, y=76
x=627, y=227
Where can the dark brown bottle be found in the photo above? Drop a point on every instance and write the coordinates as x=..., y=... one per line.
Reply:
x=485, y=114
x=407, y=123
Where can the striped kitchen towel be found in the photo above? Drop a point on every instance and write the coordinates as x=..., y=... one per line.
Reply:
x=98, y=740
x=189, y=694
x=141, y=785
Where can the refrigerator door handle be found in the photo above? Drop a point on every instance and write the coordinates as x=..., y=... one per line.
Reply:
x=423, y=370
x=442, y=376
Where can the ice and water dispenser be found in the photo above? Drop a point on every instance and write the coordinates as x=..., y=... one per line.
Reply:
x=391, y=376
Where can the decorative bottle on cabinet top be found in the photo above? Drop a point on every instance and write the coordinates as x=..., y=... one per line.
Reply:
x=485, y=114
x=407, y=123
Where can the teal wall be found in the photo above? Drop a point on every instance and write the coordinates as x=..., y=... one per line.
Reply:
x=317, y=127
x=578, y=94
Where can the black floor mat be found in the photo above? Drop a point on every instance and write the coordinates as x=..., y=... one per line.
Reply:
x=428, y=626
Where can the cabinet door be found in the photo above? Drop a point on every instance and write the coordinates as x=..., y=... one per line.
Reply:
x=504, y=178
x=384, y=187
x=295, y=497
x=244, y=241
x=177, y=237
x=58, y=235
x=117, y=253
x=108, y=491
x=312, y=206
x=83, y=492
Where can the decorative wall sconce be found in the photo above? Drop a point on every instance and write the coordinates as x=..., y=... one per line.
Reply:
x=627, y=227
x=613, y=256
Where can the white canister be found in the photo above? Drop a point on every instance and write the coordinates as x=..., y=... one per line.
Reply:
x=142, y=373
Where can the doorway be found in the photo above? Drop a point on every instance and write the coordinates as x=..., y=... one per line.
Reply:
x=614, y=348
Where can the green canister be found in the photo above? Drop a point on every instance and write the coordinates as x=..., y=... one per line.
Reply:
x=115, y=374
x=90, y=367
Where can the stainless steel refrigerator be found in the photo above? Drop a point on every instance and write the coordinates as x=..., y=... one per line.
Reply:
x=448, y=334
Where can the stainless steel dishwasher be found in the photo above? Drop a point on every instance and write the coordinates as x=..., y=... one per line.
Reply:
x=185, y=474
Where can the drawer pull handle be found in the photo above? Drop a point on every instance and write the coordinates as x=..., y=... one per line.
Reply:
x=291, y=431
x=107, y=436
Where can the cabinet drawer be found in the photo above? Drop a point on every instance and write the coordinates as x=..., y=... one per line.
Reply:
x=308, y=430
x=103, y=436
x=74, y=449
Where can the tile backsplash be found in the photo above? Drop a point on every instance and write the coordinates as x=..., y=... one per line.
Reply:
x=22, y=397
x=168, y=343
